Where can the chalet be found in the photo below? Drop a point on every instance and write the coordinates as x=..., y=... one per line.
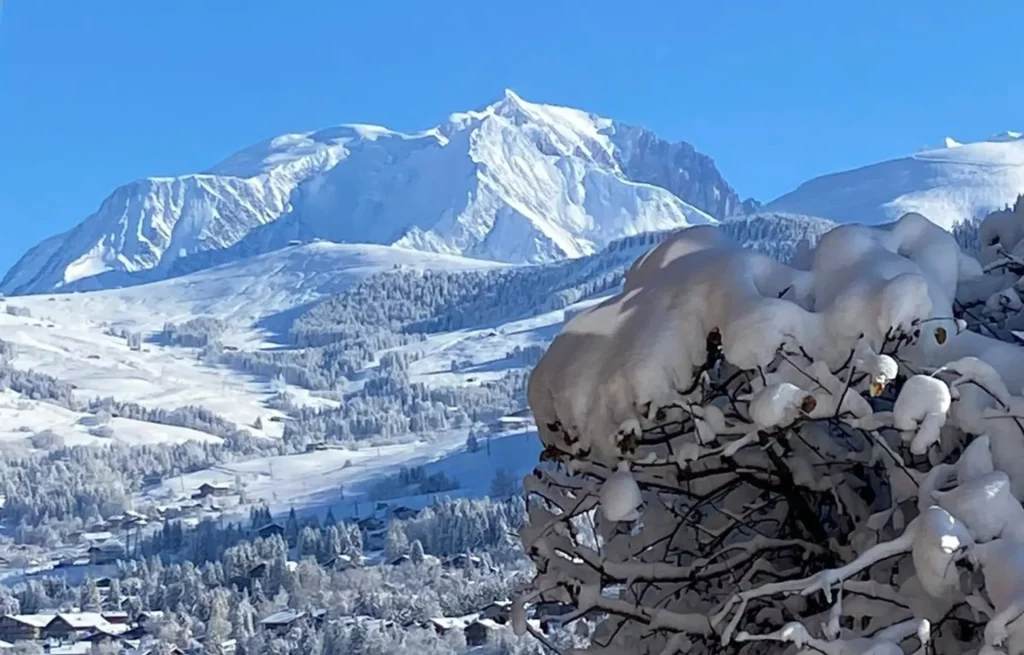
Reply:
x=24, y=627
x=281, y=622
x=315, y=447
x=154, y=648
x=403, y=513
x=499, y=611
x=117, y=618
x=400, y=560
x=551, y=614
x=73, y=625
x=68, y=562
x=148, y=617
x=464, y=561
x=269, y=530
x=258, y=571
x=371, y=524
x=77, y=648
x=444, y=624
x=208, y=489
x=93, y=538
x=341, y=563
x=479, y=632
x=106, y=552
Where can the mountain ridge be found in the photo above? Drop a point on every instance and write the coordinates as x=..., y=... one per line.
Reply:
x=514, y=182
x=951, y=184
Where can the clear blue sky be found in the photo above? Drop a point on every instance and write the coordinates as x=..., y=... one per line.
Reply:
x=95, y=93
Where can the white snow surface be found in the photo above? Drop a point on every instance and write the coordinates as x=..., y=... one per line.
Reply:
x=66, y=337
x=514, y=182
x=948, y=185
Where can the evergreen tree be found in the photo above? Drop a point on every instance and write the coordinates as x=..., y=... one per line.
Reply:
x=89, y=598
x=115, y=598
x=416, y=552
x=291, y=527
x=218, y=627
x=243, y=619
x=395, y=541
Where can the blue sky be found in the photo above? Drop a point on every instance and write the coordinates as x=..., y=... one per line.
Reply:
x=96, y=93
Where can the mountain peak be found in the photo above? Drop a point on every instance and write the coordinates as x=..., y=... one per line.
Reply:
x=1008, y=135
x=514, y=182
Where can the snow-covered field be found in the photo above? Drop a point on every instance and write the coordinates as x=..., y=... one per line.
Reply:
x=66, y=336
x=339, y=478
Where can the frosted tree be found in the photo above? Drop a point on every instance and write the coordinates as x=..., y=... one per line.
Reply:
x=416, y=554
x=90, y=599
x=395, y=541
x=746, y=456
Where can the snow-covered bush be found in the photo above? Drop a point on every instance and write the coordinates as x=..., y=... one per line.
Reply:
x=747, y=456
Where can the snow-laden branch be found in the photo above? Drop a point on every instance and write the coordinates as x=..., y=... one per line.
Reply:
x=730, y=436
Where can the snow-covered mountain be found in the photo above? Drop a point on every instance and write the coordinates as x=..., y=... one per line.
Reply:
x=513, y=182
x=948, y=185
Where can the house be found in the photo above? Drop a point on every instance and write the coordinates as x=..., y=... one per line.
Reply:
x=464, y=561
x=208, y=489
x=258, y=571
x=269, y=530
x=479, y=632
x=119, y=618
x=72, y=625
x=94, y=538
x=551, y=614
x=404, y=513
x=341, y=563
x=371, y=524
x=444, y=624
x=499, y=611
x=77, y=648
x=314, y=447
x=24, y=627
x=106, y=552
x=153, y=648
x=281, y=622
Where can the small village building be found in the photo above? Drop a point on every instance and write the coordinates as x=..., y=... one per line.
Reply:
x=479, y=632
x=210, y=489
x=24, y=627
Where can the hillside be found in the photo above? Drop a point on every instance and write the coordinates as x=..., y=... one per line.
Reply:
x=514, y=182
x=948, y=185
x=347, y=344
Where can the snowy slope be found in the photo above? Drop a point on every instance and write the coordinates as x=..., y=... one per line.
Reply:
x=66, y=337
x=248, y=290
x=513, y=182
x=948, y=185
